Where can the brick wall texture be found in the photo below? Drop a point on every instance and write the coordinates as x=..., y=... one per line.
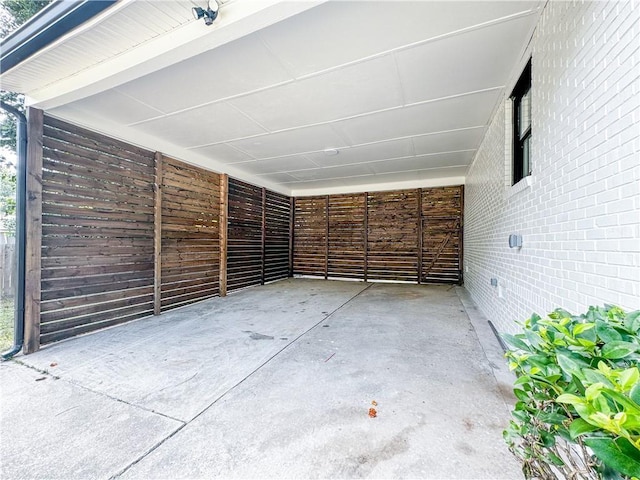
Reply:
x=580, y=216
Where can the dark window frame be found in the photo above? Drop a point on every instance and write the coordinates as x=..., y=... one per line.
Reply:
x=521, y=164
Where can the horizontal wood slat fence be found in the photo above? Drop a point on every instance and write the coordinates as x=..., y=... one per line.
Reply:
x=97, y=266
x=190, y=249
x=404, y=235
x=258, y=235
x=124, y=232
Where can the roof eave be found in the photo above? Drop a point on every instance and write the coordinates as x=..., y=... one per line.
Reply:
x=50, y=24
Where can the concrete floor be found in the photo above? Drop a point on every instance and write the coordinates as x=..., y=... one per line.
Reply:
x=269, y=382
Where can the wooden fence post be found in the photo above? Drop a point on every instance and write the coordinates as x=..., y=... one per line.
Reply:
x=292, y=224
x=326, y=249
x=224, y=213
x=366, y=233
x=420, y=239
x=264, y=233
x=33, y=254
x=157, y=238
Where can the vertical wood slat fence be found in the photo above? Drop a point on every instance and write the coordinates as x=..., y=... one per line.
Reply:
x=404, y=235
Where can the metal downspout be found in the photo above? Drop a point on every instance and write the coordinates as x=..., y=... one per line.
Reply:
x=21, y=201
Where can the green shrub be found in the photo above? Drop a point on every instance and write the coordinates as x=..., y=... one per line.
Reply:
x=578, y=395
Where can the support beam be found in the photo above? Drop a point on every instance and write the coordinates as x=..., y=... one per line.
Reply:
x=420, y=239
x=224, y=215
x=326, y=247
x=157, y=238
x=292, y=220
x=461, y=239
x=33, y=272
x=366, y=233
x=264, y=233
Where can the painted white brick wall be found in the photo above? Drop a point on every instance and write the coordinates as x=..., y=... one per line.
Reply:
x=580, y=217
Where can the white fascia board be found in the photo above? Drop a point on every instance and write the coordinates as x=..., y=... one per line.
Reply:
x=381, y=187
x=236, y=20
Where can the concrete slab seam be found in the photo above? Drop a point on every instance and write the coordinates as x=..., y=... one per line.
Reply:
x=158, y=444
x=102, y=394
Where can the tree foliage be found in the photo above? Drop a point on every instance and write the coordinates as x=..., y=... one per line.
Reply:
x=17, y=12
x=13, y=13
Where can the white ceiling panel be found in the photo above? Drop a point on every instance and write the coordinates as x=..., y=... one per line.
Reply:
x=442, y=115
x=277, y=165
x=209, y=124
x=422, y=162
x=291, y=142
x=366, y=87
x=116, y=106
x=237, y=67
x=449, y=141
x=461, y=63
x=345, y=31
x=332, y=172
x=365, y=153
x=282, y=178
x=224, y=153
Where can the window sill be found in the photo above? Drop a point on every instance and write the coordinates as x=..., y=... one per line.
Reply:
x=522, y=185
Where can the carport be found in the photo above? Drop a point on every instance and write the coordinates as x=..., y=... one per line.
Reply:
x=171, y=164
x=274, y=381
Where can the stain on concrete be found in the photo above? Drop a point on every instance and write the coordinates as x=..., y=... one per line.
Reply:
x=257, y=336
x=468, y=424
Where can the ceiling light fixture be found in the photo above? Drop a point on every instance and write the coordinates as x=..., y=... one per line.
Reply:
x=331, y=151
x=209, y=15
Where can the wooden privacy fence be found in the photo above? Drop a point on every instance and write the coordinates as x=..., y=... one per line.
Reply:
x=258, y=235
x=404, y=235
x=116, y=232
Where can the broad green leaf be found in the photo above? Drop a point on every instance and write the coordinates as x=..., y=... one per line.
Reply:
x=521, y=395
x=548, y=440
x=582, y=327
x=571, y=365
x=607, y=333
x=618, y=454
x=514, y=341
x=552, y=418
x=595, y=376
x=579, y=427
x=634, y=394
x=571, y=399
x=617, y=350
x=629, y=378
x=632, y=321
x=556, y=460
x=593, y=391
x=622, y=400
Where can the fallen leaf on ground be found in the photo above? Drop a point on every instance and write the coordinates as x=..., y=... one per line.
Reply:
x=374, y=403
x=53, y=364
x=373, y=413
